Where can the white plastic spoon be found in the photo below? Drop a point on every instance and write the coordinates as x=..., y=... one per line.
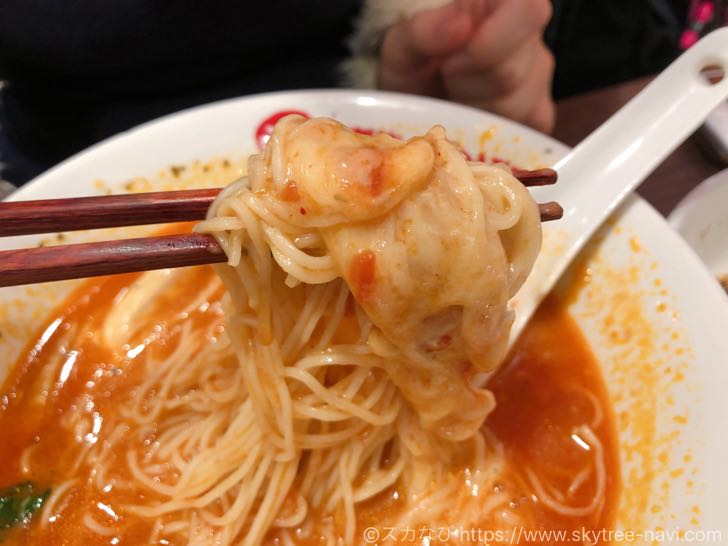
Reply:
x=598, y=174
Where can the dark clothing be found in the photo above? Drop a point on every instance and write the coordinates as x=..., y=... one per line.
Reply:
x=78, y=71
x=81, y=70
x=602, y=42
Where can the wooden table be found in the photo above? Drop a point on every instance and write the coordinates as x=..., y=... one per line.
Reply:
x=682, y=171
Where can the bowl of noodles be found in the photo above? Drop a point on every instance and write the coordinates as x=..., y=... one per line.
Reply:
x=315, y=390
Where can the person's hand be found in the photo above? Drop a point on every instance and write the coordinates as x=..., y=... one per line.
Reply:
x=488, y=54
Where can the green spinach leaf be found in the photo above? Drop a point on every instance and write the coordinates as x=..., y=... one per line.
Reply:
x=18, y=503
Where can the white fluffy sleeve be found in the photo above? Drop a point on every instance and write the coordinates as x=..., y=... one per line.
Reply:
x=361, y=69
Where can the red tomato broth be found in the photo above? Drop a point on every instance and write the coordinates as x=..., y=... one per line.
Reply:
x=542, y=395
x=538, y=392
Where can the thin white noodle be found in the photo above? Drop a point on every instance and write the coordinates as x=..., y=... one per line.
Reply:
x=578, y=481
x=305, y=396
x=54, y=503
x=96, y=527
x=24, y=462
x=598, y=497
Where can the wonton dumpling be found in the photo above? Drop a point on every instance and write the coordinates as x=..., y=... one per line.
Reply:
x=431, y=247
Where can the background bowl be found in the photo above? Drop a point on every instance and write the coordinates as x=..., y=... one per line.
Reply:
x=702, y=219
x=652, y=313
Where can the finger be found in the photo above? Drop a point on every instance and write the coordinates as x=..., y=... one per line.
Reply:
x=502, y=79
x=435, y=32
x=543, y=117
x=512, y=22
x=526, y=104
x=477, y=9
x=411, y=51
x=400, y=72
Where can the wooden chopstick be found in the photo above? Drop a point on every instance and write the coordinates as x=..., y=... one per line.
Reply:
x=55, y=263
x=536, y=177
x=33, y=265
x=550, y=211
x=136, y=209
x=77, y=213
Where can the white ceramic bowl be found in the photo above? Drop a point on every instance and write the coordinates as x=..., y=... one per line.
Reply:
x=702, y=219
x=655, y=319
